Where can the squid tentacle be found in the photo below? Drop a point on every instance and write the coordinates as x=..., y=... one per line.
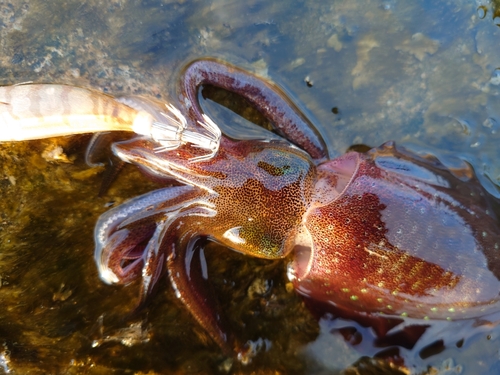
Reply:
x=267, y=98
x=111, y=229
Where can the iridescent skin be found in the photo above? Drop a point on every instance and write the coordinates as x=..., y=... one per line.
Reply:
x=380, y=234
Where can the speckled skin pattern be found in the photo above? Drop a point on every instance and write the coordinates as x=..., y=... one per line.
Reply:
x=405, y=238
x=385, y=233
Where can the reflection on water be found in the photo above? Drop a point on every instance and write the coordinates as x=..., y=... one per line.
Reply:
x=422, y=73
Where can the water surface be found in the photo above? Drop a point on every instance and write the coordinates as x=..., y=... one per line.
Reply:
x=425, y=74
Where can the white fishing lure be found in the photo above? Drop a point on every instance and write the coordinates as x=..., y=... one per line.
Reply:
x=35, y=111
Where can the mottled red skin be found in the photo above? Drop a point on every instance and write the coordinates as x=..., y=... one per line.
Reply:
x=376, y=235
x=399, y=241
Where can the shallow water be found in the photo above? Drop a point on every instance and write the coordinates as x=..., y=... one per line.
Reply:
x=423, y=74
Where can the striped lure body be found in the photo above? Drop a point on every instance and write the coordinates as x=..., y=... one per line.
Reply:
x=35, y=111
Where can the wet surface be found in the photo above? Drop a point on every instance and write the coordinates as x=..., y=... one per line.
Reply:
x=424, y=75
